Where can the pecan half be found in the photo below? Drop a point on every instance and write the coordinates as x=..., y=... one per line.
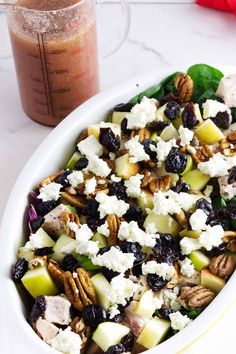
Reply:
x=79, y=289
x=201, y=154
x=143, y=134
x=113, y=222
x=83, y=135
x=49, y=179
x=175, y=279
x=228, y=235
x=222, y=265
x=147, y=178
x=182, y=219
x=161, y=184
x=73, y=200
x=231, y=246
x=78, y=326
x=196, y=296
x=55, y=271
x=184, y=85
x=65, y=219
x=228, y=144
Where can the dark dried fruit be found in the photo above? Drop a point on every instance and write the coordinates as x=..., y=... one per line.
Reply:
x=128, y=342
x=108, y=139
x=147, y=143
x=19, y=269
x=81, y=164
x=91, y=209
x=116, y=349
x=170, y=97
x=204, y=205
x=69, y=263
x=222, y=120
x=172, y=110
x=109, y=274
x=134, y=213
x=155, y=282
x=38, y=309
x=93, y=223
x=216, y=251
x=189, y=118
x=176, y=161
x=44, y=251
x=232, y=175
x=62, y=179
x=36, y=224
x=123, y=107
x=44, y=208
x=93, y=315
x=167, y=249
x=135, y=248
x=181, y=186
x=163, y=313
x=158, y=126
x=118, y=318
x=124, y=128
x=137, y=270
x=216, y=188
x=118, y=189
x=228, y=212
x=213, y=220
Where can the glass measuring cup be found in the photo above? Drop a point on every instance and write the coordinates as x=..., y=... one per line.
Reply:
x=54, y=45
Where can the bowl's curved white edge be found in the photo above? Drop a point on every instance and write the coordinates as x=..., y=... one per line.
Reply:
x=17, y=333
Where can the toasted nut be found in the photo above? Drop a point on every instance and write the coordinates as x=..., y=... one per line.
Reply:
x=228, y=235
x=143, y=134
x=65, y=219
x=55, y=271
x=184, y=85
x=49, y=179
x=149, y=164
x=83, y=135
x=71, y=190
x=121, y=152
x=231, y=246
x=74, y=200
x=161, y=184
x=113, y=222
x=132, y=134
x=175, y=279
x=182, y=219
x=147, y=179
x=78, y=326
x=232, y=137
x=228, y=144
x=196, y=296
x=222, y=265
x=81, y=188
x=201, y=154
x=37, y=262
x=72, y=291
x=87, y=284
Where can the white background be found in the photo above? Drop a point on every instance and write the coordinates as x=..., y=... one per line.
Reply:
x=163, y=33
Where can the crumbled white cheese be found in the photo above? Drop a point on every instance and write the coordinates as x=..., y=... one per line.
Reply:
x=75, y=178
x=163, y=270
x=133, y=185
x=98, y=166
x=212, y=237
x=163, y=148
x=169, y=298
x=185, y=200
x=113, y=311
x=226, y=90
x=227, y=191
x=151, y=228
x=50, y=191
x=164, y=204
x=35, y=241
x=198, y=220
x=186, y=136
x=104, y=229
x=142, y=113
x=188, y=245
x=114, y=178
x=179, y=321
x=90, y=186
x=132, y=233
x=115, y=260
x=90, y=147
x=83, y=233
x=73, y=226
x=87, y=248
x=218, y=165
x=136, y=150
x=110, y=205
x=187, y=268
x=112, y=156
x=212, y=107
x=67, y=342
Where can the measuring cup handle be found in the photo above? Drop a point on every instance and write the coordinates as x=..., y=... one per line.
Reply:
x=124, y=27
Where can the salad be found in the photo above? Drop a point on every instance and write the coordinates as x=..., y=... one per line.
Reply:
x=133, y=238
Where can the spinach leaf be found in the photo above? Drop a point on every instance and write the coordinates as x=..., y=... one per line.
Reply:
x=233, y=112
x=206, y=81
x=192, y=314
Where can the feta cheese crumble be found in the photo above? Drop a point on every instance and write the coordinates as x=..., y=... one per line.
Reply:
x=104, y=229
x=163, y=148
x=67, y=342
x=212, y=107
x=98, y=166
x=218, y=165
x=50, y=191
x=133, y=185
x=35, y=241
x=114, y=178
x=132, y=233
x=198, y=220
x=163, y=270
x=142, y=113
x=227, y=191
x=136, y=150
x=212, y=237
x=90, y=147
x=226, y=90
x=75, y=178
x=87, y=248
x=188, y=245
x=187, y=267
x=110, y=205
x=115, y=260
x=186, y=136
x=90, y=186
x=179, y=321
x=164, y=204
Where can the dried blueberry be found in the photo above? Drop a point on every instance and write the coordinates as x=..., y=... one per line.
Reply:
x=163, y=313
x=44, y=251
x=62, y=179
x=232, y=175
x=123, y=107
x=36, y=223
x=189, y=118
x=128, y=342
x=69, y=263
x=118, y=318
x=135, y=248
x=204, y=205
x=93, y=315
x=109, y=274
x=108, y=139
x=19, y=269
x=158, y=126
x=91, y=208
x=133, y=213
x=38, y=309
x=216, y=251
x=124, y=128
x=155, y=282
x=81, y=164
x=137, y=270
x=181, y=186
x=166, y=249
x=147, y=143
x=118, y=189
x=228, y=212
x=116, y=349
x=176, y=161
x=93, y=223
x=172, y=110
x=44, y=208
x=222, y=120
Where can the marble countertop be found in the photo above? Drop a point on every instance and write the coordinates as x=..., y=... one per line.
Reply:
x=162, y=34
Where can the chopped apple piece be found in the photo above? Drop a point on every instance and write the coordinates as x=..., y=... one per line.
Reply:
x=95, y=129
x=161, y=171
x=169, y=133
x=71, y=163
x=85, y=263
x=209, y=133
x=46, y=240
x=190, y=233
x=154, y=136
x=211, y=281
x=177, y=122
x=101, y=285
x=146, y=305
x=108, y=334
x=153, y=333
x=196, y=179
x=189, y=166
x=117, y=117
x=164, y=224
x=160, y=113
x=145, y=200
x=102, y=240
x=124, y=168
x=62, y=243
x=199, y=260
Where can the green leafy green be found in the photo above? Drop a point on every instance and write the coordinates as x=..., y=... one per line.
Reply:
x=206, y=81
x=233, y=112
x=192, y=314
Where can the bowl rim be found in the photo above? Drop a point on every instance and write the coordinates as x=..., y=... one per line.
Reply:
x=10, y=301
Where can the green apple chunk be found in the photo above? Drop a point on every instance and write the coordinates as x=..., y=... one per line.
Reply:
x=164, y=224
x=211, y=281
x=95, y=129
x=196, y=179
x=145, y=200
x=189, y=166
x=169, y=133
x=160, y=115
x=108, y=334
x=177, y=122
x=71, y=163
x=154, y=136
x=153, y=333
x=190, y=233
x=101, y=239
x=85, y=263
x=101, y=285
x=62, y=243
x=117, y=117
x=209, y=133
x=46, y=240
x=124, y=168
x=146, y=305
x=38, y=281
x=199, y=260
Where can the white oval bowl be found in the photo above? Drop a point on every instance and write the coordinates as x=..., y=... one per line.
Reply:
x=53, y=153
